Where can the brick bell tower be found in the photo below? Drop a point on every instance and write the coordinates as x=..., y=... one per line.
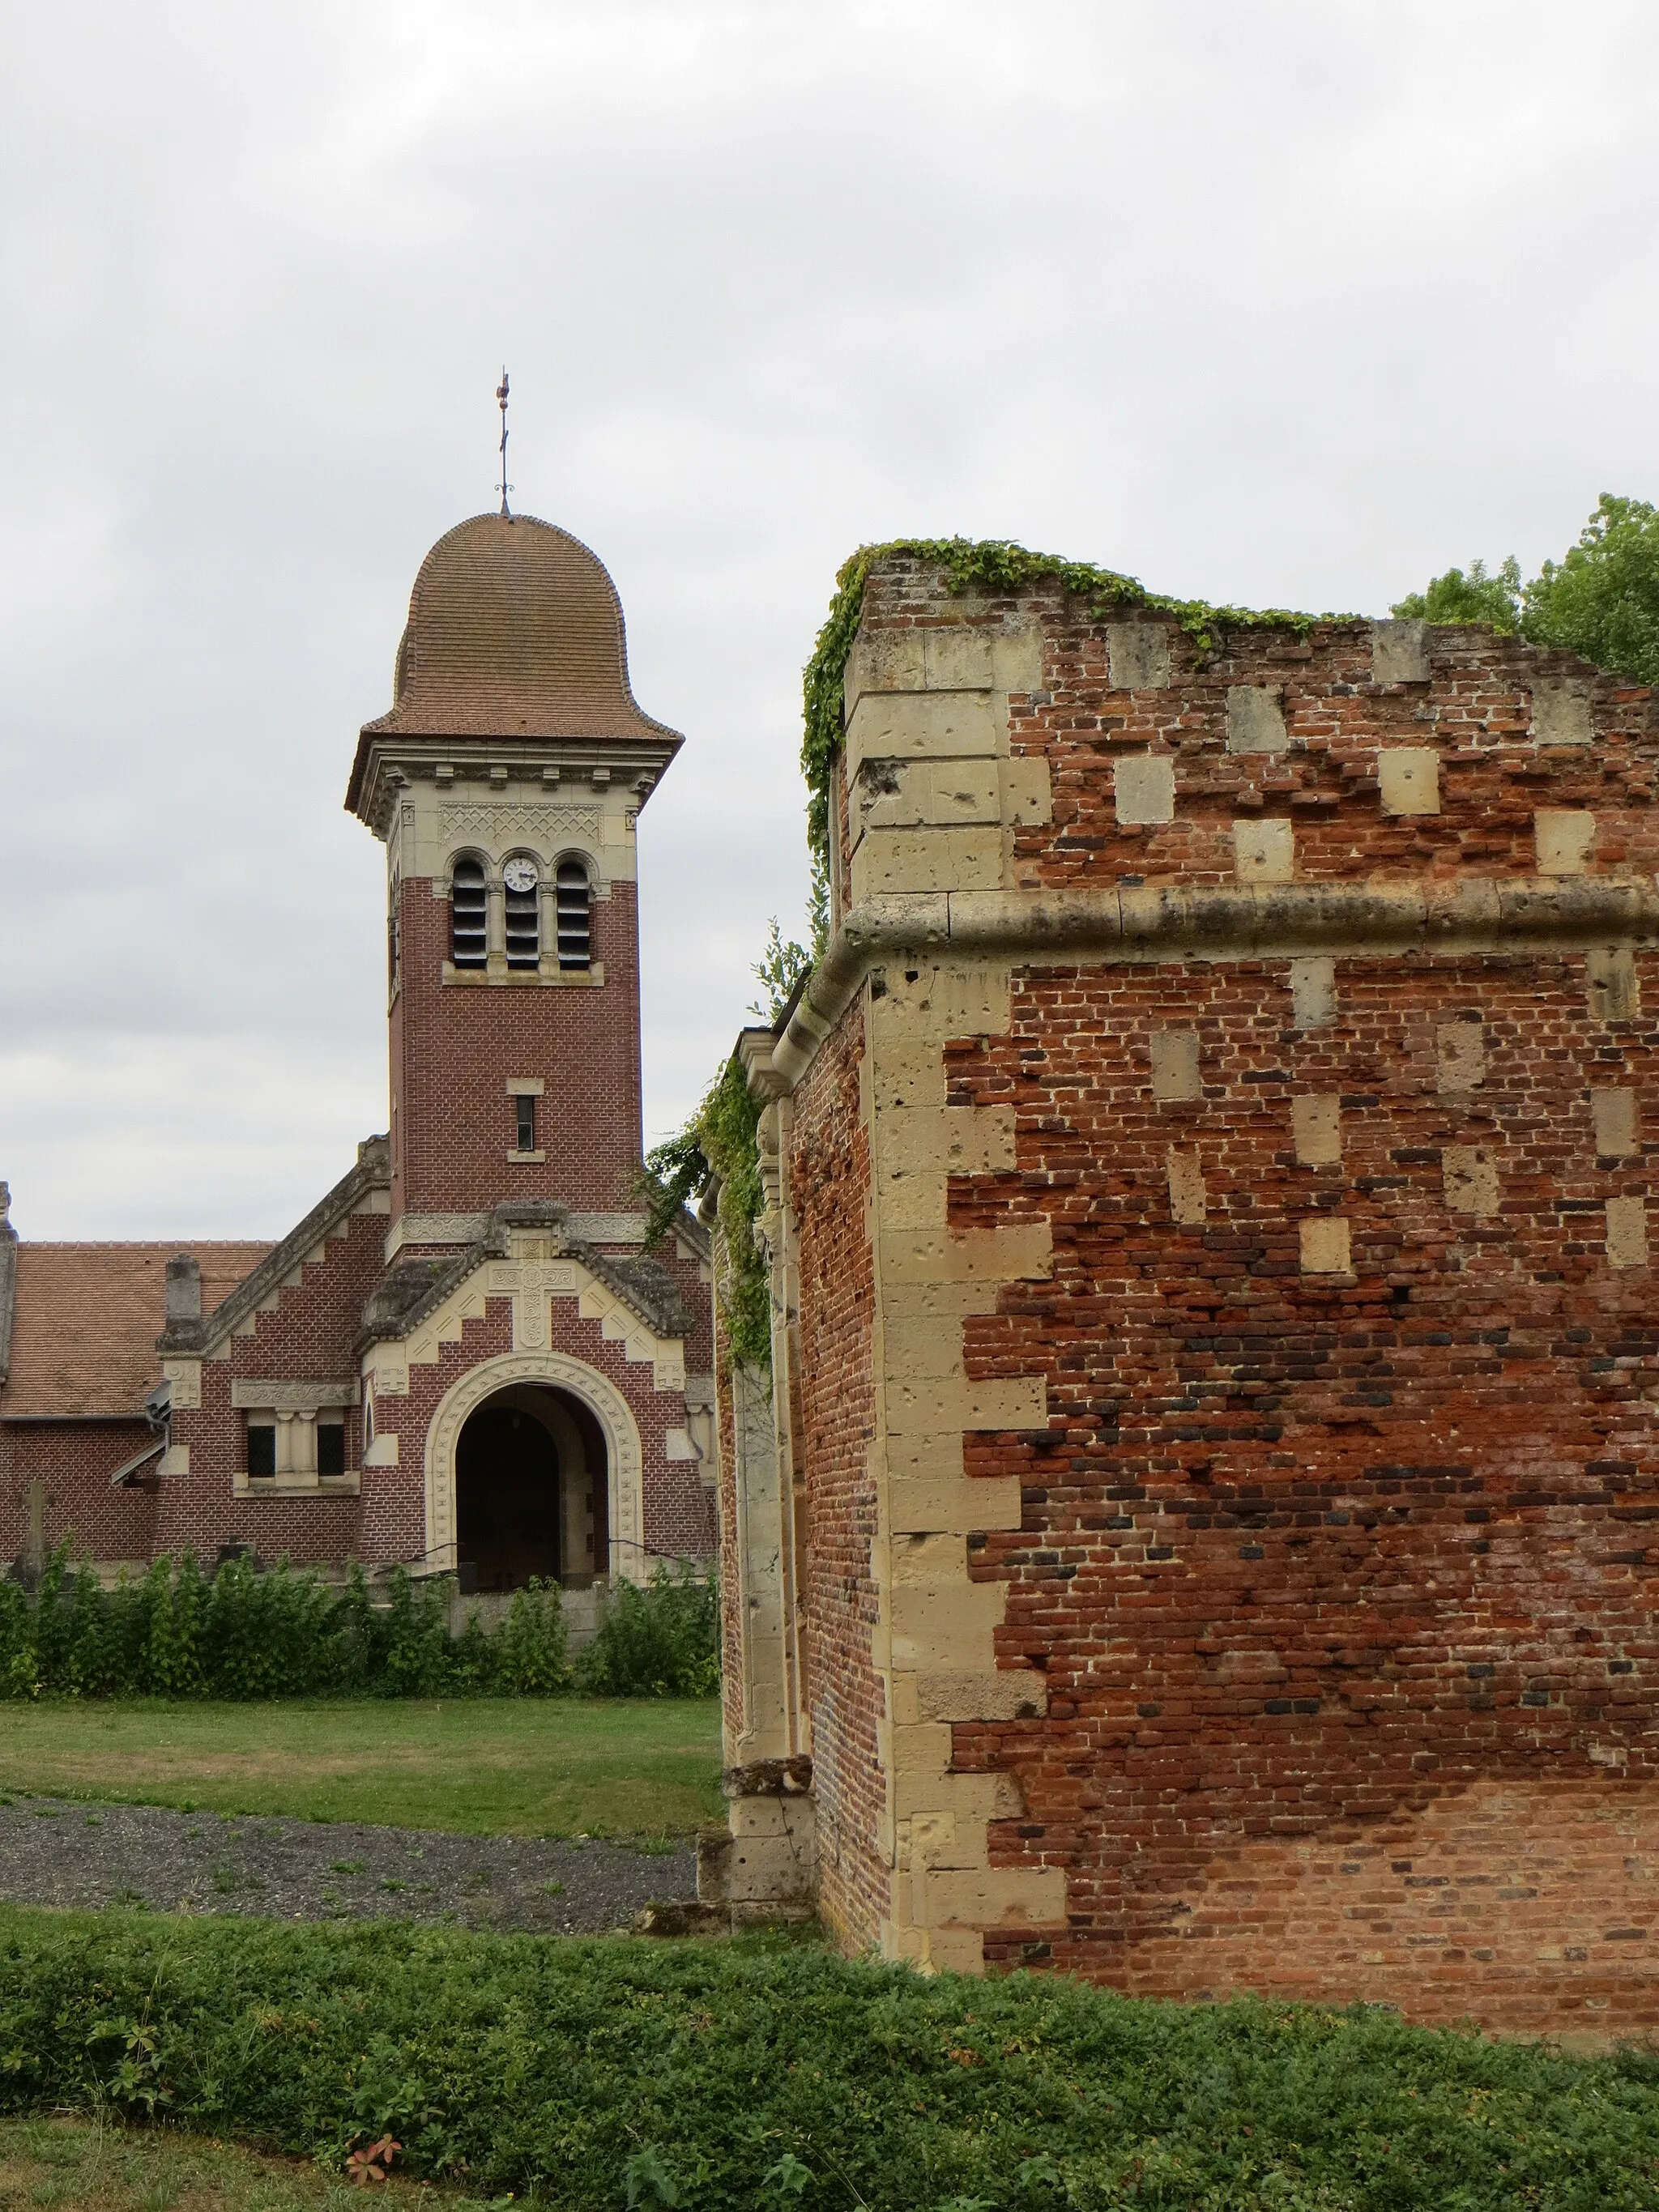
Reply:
x=506, y=783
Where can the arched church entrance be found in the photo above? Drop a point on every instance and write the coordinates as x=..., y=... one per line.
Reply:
x=530, y=1490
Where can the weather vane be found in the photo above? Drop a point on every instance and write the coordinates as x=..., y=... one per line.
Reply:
x=501, y=395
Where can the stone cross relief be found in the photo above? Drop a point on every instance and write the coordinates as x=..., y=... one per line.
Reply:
x=531, y=1285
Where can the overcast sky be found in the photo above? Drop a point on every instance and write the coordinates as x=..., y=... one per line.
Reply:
x=1281, y=303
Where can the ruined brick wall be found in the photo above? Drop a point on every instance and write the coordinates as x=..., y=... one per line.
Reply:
x=840, y=1608
x=1325, y=1613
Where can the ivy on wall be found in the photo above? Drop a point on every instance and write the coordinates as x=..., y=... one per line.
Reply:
x=721, y=1143
x=1001, y=567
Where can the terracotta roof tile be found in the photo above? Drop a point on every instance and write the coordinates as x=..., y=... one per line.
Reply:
x=87, y=1316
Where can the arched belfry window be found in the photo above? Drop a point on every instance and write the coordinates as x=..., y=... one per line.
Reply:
x=468, y=915
x=574, y=903
x=521, y=882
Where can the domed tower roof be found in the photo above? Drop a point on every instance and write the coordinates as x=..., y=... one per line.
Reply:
x=515, y=630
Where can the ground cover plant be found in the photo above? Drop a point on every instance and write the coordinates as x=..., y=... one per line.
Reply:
x=606, y=2073
x=494, y=1766
x=242, y=1632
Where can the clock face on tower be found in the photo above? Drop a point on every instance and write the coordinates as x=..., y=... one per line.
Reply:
x=520, y=875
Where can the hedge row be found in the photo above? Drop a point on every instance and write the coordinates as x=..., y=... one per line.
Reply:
x=240, y=1632
x=600, y=2075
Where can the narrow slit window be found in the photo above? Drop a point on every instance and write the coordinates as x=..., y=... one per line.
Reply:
x=467, y=909
x=261, y=1448
x=523, y=1124
x=522, y=884
x=575, y=917
x=331, y=1448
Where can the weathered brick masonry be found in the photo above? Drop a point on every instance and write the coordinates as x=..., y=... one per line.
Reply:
x=1255, y=1055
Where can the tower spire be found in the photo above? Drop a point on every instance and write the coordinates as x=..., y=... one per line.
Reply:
x=500, y=396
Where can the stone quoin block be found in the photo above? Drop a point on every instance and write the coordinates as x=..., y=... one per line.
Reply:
x=1324, y=1240
x=1561, y=713
x=1188, y=1200
x=1138, y=656
x=1317, y=1122
x=1612, y=984
x=1408, y=778
x=1460, y=1052
x=1628, y=1232
x=1143, y=788
x=1313, y=992
x=1565, y=840
x=1175, y=1073
x=1613, y=1114
x=1255, y=719
x=1400, y=651
x=1263, y=852
x=1469, y=1174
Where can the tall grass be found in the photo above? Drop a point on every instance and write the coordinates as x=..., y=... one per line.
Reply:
x=241, y=1633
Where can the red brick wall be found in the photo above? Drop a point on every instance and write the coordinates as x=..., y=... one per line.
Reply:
x=830, y=1191
x=454, y=1045
x=75, y=1459
x=1342, y=1587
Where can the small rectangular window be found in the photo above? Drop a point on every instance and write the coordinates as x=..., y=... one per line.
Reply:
x=262, y=1448
x=331, y=1448
x=525, y=1111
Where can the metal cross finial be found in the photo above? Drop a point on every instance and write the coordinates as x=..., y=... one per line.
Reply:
x=501, y=395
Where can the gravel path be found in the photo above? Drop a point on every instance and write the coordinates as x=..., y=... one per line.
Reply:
x=53, y=1852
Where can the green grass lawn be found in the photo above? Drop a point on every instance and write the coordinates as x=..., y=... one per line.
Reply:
x=497, y=1766
x=90, y=2166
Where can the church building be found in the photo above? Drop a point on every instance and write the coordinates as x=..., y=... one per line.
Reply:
x=463, y=1358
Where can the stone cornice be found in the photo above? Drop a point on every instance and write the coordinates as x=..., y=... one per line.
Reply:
x=1222, y=922
x=385, y=764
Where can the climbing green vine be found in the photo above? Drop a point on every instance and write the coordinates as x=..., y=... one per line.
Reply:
x=986, y=564
x=721, y=1143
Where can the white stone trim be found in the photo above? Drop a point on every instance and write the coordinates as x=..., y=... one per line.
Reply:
x=291, y=1397
x=556, y=1371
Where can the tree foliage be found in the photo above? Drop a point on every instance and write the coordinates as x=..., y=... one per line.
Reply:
x=1600, y=600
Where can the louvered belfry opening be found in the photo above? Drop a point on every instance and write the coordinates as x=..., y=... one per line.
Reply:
x=468, y=942
x=575, y=917
x=523, y=926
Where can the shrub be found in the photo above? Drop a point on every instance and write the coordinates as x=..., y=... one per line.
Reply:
x=661, y=1641
x=737, y=2075
x=241, y=1633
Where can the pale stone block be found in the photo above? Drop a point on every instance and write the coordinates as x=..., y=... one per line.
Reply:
x=1400, y=651
x=995, y=1897
x=1188, y=1200
x=1009, y=1694
x=939, y=1559
x=1024, y=1252
x=947, y=1632
x=175, y=1460
x=1143, y=788
x=1175, y=1072
x=1313, y=993
x=1612, y=986
x=919, y=1747
x=953, y=1951
x=1628, y=1232
x=1264, y=851
x=1324, y=1246
x=1027, y=796
x=1316, y=1121
x=950, y=1139
x=1460, y=1052
x=1561, y=713
x=1408, y=777
x=383, y=1452
x=918, y=1791
x=927, y=1462
x=957, y=659
x=1017, y=658
x=889, y=860
x=1256, y=720
x=1001, y=1402
x=910, y=1198
x=939, y=1839
x=915, y=1347
x=1614, y=1113
x=884, y=661
x=1138, y=655
x=899, y=794
x=1564, y=838
x=917, y=725
x=1469, y=1175
x=954, y=1504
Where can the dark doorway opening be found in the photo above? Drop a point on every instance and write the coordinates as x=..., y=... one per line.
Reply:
x=508, y=1500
